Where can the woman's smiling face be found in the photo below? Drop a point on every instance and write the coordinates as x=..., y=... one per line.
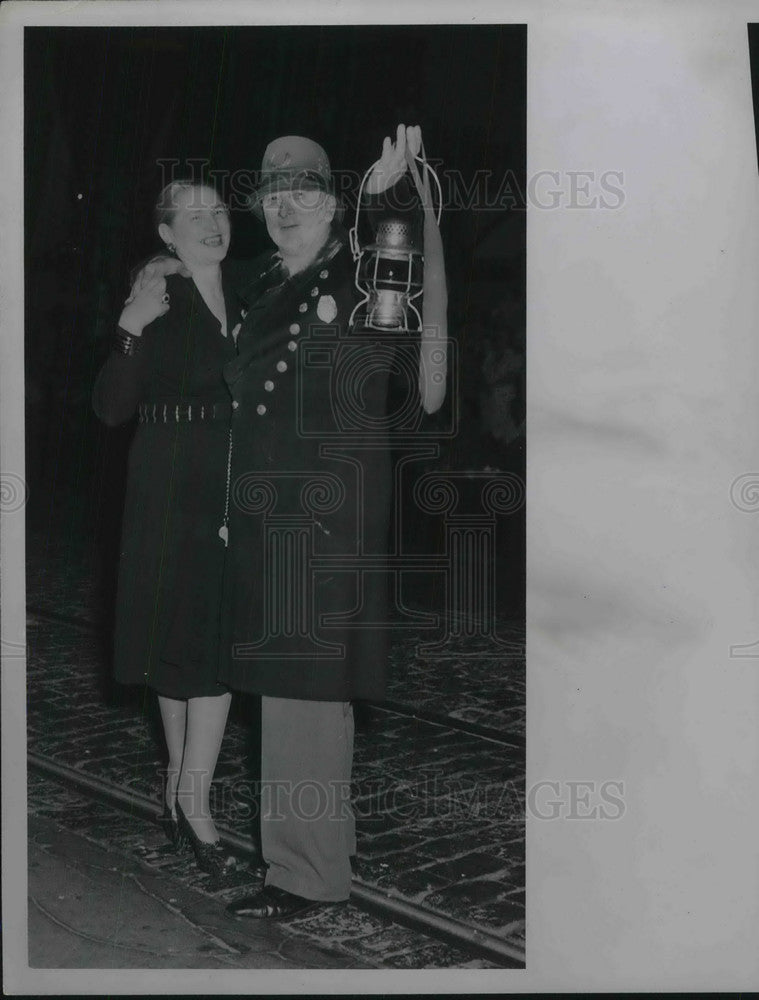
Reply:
x=199, y=226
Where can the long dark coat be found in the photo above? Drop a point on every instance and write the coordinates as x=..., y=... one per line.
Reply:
x=305, y=592
x=172, y=558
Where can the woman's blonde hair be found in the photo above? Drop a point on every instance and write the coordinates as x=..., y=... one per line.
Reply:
x=165, y=206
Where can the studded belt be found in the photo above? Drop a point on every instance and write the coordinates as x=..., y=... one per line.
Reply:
x=170, y=413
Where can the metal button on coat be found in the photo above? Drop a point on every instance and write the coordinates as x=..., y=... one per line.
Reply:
x=314, y=291
x=260, y=409
x=323, y=274
x=295, y=328
x=281, y=366
x=292, y=345
x=268, y=385
x=303, y=306
x=235, y=404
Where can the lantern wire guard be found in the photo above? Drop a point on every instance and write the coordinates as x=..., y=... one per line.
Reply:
x=387, y=297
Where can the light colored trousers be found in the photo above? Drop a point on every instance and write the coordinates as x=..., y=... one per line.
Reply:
x=308, y=830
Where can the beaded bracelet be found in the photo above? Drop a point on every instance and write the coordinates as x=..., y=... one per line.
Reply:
x=126, y=343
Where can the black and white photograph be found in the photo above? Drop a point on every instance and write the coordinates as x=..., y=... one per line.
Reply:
x=379, y=463
x=275, y=447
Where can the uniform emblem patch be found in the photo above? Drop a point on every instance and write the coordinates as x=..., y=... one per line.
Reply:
x=326, y=308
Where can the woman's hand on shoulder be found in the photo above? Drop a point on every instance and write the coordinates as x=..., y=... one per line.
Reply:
x=158, y=267
x=144, y=306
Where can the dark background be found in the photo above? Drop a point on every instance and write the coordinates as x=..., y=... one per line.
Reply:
x=104, y=105
x=753, y=49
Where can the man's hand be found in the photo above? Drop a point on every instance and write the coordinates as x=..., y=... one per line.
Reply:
x=158, y=267
x=393, y=162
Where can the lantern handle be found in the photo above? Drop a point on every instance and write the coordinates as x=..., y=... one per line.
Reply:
x=353, y=232
x=426, y=166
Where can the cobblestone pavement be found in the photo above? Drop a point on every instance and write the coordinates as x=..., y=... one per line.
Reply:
x=93, y=905
x=438, y=773
x=85, y=854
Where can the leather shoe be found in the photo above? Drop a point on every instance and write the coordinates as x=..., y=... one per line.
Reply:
x=272, y=903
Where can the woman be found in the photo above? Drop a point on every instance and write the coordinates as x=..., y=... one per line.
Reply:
x=173, y=338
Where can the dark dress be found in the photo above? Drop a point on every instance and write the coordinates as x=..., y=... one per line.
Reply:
x=305, y=590
x=172, y=558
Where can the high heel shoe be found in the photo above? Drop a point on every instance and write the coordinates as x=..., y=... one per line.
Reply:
x=176, y=838
x=210, y=858
x=168, y=821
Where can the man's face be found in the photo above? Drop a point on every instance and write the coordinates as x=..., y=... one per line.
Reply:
x=298, y=221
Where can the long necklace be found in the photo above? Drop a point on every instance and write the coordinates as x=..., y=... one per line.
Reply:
x=224, y=529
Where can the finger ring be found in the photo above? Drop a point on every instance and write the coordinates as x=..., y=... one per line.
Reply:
x=165, y=297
